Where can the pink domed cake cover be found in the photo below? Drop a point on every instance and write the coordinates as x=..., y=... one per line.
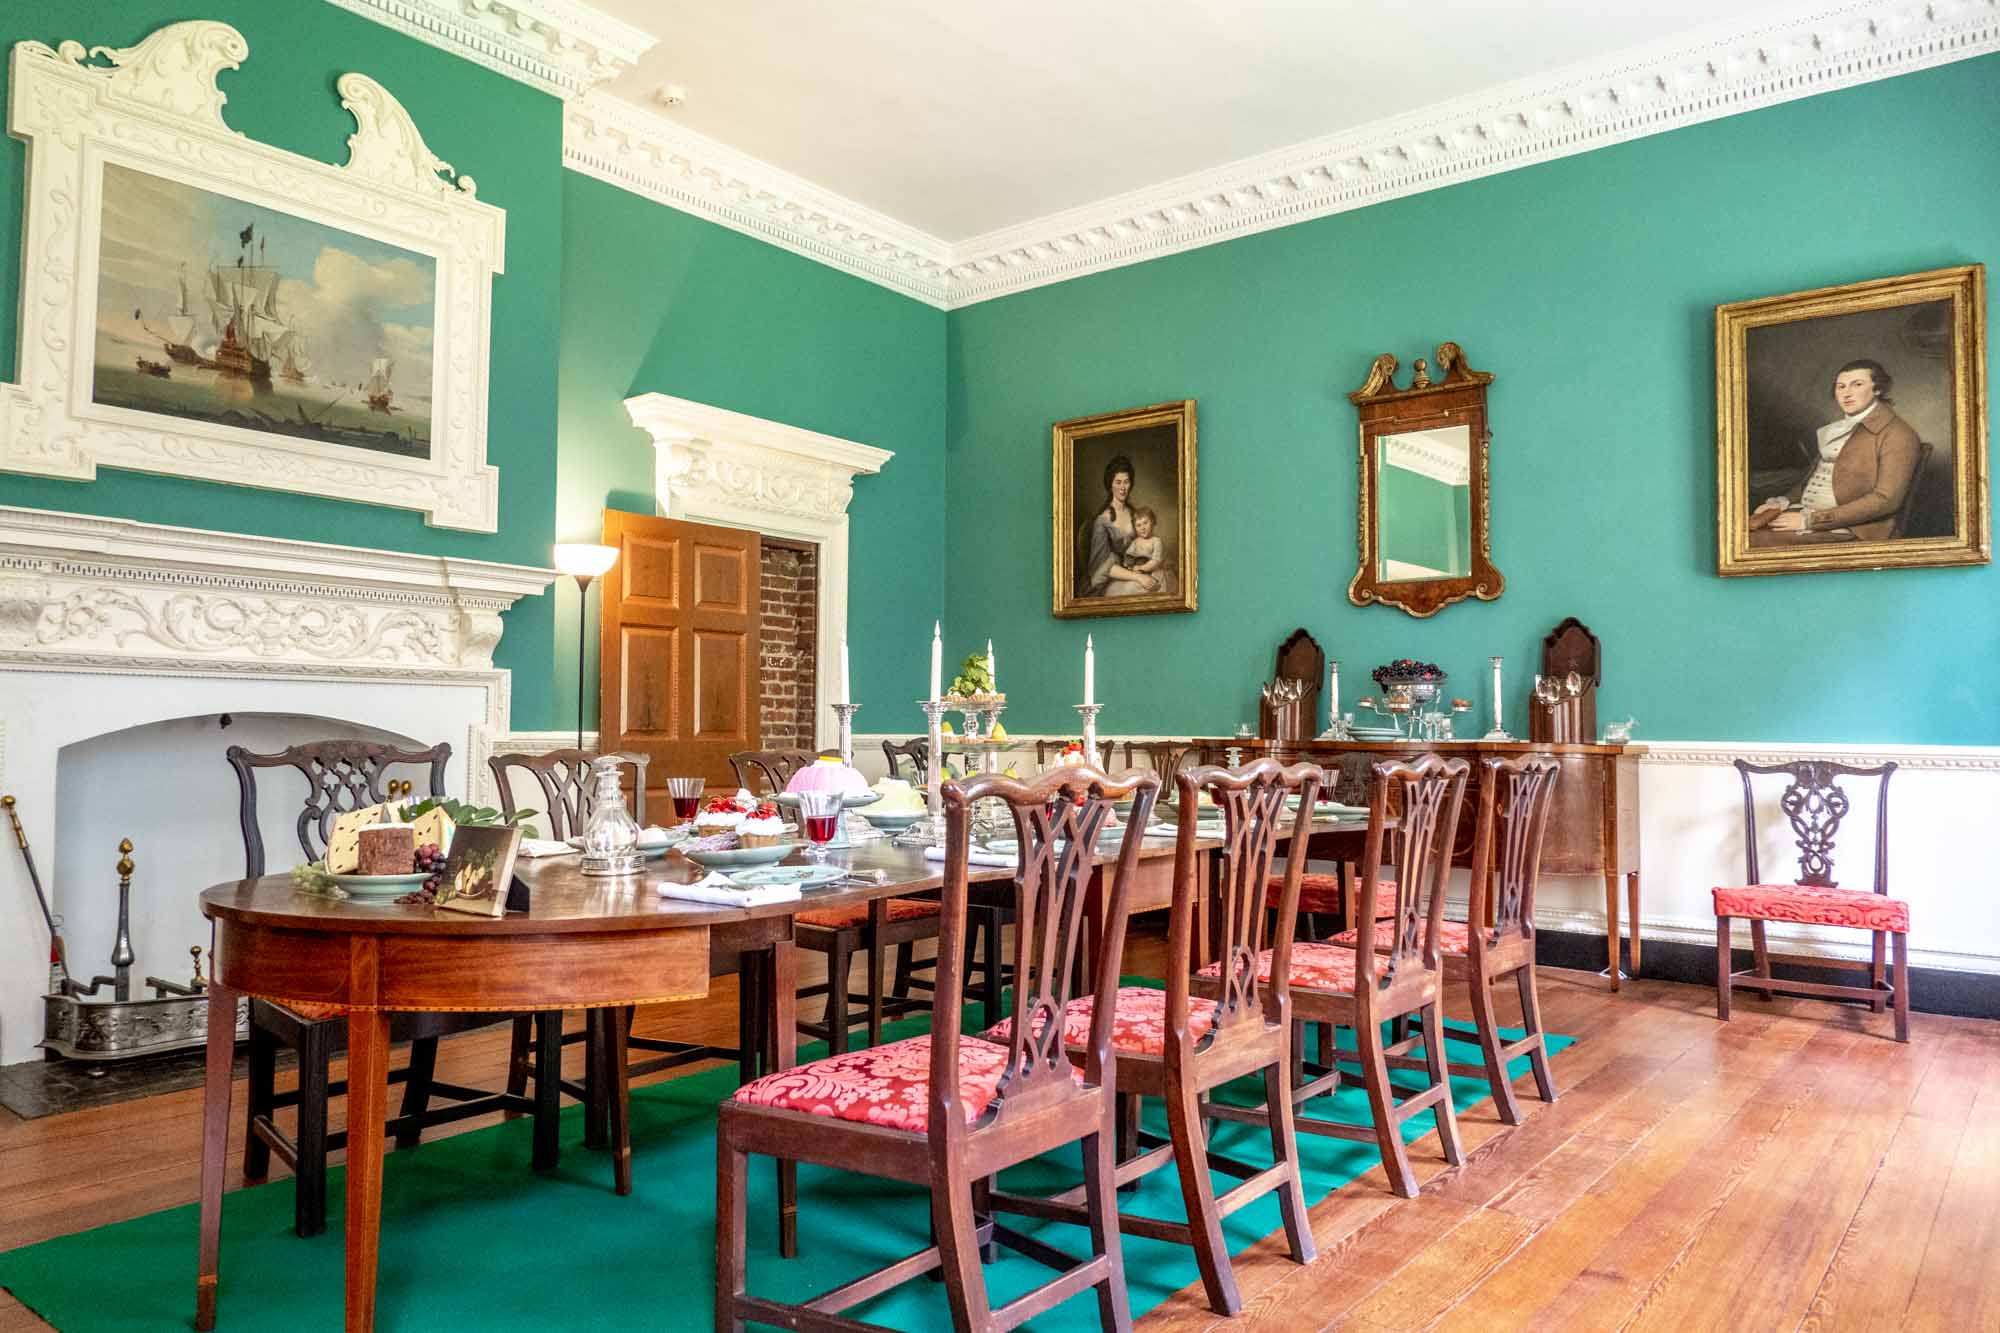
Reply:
x=829, y=775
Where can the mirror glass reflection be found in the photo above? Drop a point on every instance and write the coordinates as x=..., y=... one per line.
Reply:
x=1423, y=509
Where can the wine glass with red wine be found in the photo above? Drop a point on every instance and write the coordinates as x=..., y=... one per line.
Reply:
x=686, y=794
x=819, y=815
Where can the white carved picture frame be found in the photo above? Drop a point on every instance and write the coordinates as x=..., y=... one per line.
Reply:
x=155, y=108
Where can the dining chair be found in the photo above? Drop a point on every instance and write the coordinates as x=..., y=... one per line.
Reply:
x=570, y=795
x=1179, y=1046
x=767, y=772
x=917, y=750
x=1047, y=751
x=1496, y=941
x=1815, y=804
x=946, y=1112
x=1364, y=989
x=342, y=775
x=1164, y=757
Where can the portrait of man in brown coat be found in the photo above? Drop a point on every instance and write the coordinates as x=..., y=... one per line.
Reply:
x=1865, y=464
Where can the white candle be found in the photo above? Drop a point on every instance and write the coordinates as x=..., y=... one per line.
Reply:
x=937, y=659
x=1332, y=693
x=992, y=676
x=846, y=681
x=1089, y=670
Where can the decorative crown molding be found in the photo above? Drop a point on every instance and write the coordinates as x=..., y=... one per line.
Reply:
x=559, y=46
x=650, y=155
x=1719, y=72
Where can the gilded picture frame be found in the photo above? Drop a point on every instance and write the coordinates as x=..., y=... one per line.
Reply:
x=1851, y=427
x=1125, y=540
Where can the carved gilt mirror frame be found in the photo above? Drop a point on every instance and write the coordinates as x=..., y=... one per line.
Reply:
x=1434, y=434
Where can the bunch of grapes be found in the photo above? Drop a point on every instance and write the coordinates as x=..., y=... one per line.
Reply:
x=430, y=861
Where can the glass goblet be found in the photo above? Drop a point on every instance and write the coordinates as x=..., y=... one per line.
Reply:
x=819, y=817
x=686, y=794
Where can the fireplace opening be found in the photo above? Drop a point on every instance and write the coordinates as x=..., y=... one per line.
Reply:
x=788, y=661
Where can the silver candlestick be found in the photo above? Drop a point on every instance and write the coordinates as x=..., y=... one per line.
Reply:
x=846, y=712
x=931, y=826
x=1088, y=712
x=1499, y=732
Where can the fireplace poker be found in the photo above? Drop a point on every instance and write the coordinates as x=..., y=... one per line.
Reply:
x=59, y=982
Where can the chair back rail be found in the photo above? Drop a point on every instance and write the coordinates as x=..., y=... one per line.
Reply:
x=1057, y=819
x=1252, y=800
x=773, y=767
x=1163, y=757
x=341, y=775
x=1425, y=795
x=917, y=750
x=1815, y=804
x=1515, y=797
x=567, y=790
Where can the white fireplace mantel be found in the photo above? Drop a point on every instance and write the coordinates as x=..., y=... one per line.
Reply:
x=716, y=466
x=108, y=625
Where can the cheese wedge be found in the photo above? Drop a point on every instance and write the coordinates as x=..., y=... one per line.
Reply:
x=356, y=819
x=343, y=852
x=434, y=826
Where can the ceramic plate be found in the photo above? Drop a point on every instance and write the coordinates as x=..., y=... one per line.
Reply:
x=381, y=886
x=741, y=856
x=804, y=876
x=891, y=823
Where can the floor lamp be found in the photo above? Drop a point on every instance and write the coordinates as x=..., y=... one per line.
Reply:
x=583, y=562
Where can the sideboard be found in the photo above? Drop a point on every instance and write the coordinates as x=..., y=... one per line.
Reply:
x=1593, y=829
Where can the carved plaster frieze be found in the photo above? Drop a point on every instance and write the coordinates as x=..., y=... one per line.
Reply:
x=559, y=46
x=98, y=592
x=709, y=458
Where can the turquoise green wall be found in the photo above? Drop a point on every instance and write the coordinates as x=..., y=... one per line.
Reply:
x=506, y=136
x=658, y=301
x=1587, y=286
x=1424, y=522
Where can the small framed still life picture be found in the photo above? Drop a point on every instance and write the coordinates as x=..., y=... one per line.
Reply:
x=479, y=869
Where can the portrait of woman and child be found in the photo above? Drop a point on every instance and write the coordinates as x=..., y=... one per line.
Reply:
x=1124, y=530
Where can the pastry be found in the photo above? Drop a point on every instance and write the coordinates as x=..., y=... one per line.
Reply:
x=762, y=827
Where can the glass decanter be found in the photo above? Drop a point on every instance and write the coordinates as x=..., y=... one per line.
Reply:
x=611, y=836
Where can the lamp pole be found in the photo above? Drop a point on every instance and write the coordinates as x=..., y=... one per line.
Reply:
x=584, y=563
x=583, y=582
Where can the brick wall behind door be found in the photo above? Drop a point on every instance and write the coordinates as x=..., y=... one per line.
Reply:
x=787, y=666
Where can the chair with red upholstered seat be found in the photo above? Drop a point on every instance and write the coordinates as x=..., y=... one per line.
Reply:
x=870, y=930
x=1178, y=1046
x=947, y=1111
x=1514, y=801
x=1815, y=803
x=1363, y=989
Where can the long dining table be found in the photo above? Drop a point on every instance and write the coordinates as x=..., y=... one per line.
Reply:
x=582, y=943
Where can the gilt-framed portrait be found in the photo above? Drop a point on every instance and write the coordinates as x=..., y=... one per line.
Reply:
x=1851, y=426
x=1125, y=512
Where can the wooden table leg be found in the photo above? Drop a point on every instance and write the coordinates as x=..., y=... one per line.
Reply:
x=1611, y=891
x=615, y=1030
x=781, y=974
x=367, y=1103
x=1632, y=915
x=218, y=1076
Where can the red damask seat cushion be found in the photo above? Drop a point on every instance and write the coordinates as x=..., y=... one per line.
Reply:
x=1454, y=937
x=856, y=914
x=1807, y=905
x=1138, y=1027
x=1315, y=966
x=1320, y=895
x=885, y=1085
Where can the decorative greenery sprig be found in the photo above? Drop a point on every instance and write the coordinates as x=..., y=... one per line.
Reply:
x=470, y=816
x=972, y=677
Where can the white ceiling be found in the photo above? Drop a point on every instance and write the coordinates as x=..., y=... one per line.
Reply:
x=959, y=117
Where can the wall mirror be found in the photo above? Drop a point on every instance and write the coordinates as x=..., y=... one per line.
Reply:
x=1424, y=500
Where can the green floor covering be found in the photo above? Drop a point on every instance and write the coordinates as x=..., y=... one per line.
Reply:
x=472, y=1239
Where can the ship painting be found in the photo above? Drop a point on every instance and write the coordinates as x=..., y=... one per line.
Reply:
x=220, y=293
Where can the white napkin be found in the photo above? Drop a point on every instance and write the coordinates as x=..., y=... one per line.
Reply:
x=533, y=847
x=716, y=887
x=976, y=858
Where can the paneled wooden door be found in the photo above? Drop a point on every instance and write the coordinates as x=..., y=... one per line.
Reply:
x=679, y=650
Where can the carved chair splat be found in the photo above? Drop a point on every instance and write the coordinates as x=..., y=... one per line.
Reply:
x=768, y=772
x=977, y=1106
x=1815, y=804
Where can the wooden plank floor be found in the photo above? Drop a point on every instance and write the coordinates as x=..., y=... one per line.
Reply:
x=1792, y=1169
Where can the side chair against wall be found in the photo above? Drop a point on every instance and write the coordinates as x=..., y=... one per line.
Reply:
x=1815, y=803
x=1362, y=989
x=1164, y=757
x=947, y=1112
x=1515, y=797
x=342, y=775
x=1179, y=1046
x=1047, y=751
x=918, y=751
x=568, y=796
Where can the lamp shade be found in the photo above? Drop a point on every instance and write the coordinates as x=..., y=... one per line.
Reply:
x=582, y=560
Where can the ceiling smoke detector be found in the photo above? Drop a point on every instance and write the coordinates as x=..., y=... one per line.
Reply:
x=670, y=95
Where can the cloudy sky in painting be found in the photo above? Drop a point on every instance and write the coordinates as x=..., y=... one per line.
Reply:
x=353, y=298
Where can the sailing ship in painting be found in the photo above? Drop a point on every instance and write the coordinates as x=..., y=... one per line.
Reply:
x=238, y=331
